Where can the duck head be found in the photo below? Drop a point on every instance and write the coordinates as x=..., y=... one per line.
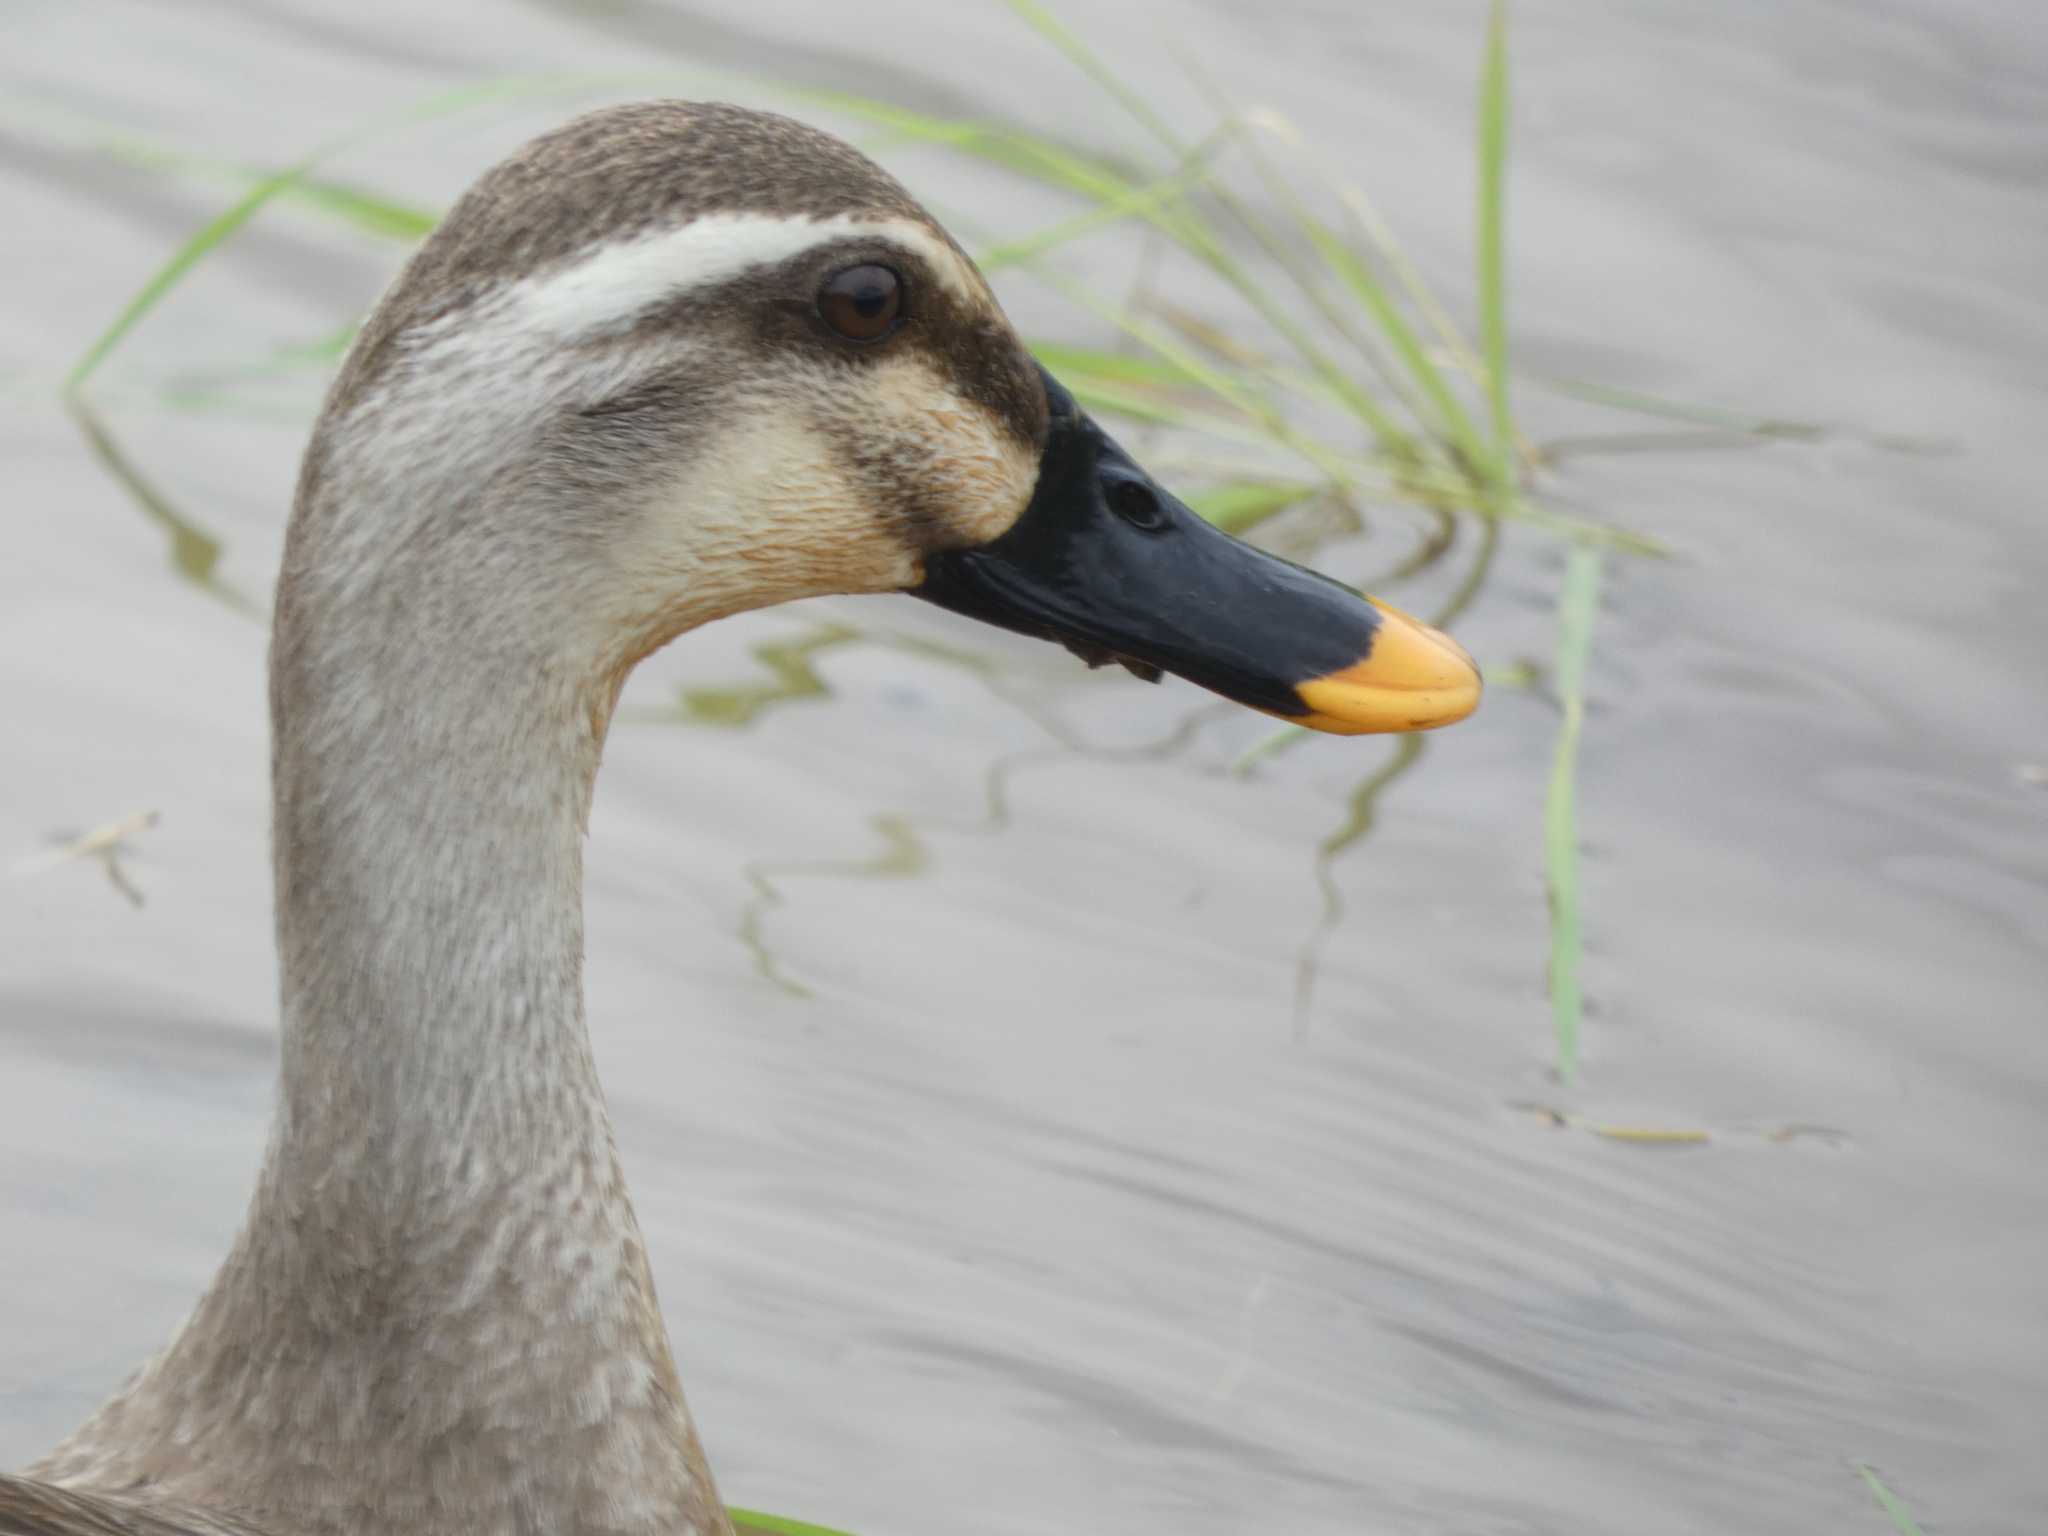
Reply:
x=677, y=360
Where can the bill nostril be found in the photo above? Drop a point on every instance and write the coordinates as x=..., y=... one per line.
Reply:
x=1137, y=504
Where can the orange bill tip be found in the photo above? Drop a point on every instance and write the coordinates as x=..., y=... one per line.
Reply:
x=1414, y=678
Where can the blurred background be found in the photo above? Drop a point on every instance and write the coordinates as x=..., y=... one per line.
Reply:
x=1061, y=1104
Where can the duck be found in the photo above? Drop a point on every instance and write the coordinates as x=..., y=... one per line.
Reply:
x=669, y=362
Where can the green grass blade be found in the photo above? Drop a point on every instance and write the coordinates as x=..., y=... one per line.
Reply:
x=368, y=211
x=375, y=215
x=1240, y=507
x=1215, y=381
x=1576, y=607
x=1493, y=313
x=1194, y=235
x=1100, y=363
x=1188, y=230
x=1119, y=196
x=1370, y=229
x=750, y=1521
x=1054, y=31
x=1204, y=243
x=321, y=350
x=225, y=224
x=1029, y=155
x=1366, y=287
x=183, y=260
x=1583, y=530
x=1283, y=248
x=1146, y=201
x=1222, y=384
x=1890, y=1503
x=1108, y=400
x=1199, y=239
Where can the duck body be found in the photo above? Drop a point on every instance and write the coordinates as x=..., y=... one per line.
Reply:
x=633, y=384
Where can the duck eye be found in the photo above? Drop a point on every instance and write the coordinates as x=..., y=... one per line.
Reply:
x=862, y=303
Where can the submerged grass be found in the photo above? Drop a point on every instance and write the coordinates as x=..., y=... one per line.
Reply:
x=1576, y=606
x=194, y=552
x=1361, y=814
x=1902, y=1518
x=903, y=855
x=792, y=666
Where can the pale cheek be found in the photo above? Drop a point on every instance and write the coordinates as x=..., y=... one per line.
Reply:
x=962, y=462
x=817, y=535
x=772, y=515
x=777, y=509
x=977, y=471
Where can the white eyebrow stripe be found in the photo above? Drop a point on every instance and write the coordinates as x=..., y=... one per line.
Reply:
x=609, y=288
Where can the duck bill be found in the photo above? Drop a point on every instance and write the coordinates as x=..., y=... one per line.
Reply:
x=1106, y=562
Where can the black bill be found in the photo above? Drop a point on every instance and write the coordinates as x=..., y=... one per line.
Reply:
x=1106, y=562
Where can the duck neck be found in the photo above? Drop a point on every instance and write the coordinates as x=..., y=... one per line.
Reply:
x=441, y=1302
x=429, y=809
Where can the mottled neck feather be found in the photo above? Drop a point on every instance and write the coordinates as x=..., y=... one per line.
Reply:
x=439, y=1317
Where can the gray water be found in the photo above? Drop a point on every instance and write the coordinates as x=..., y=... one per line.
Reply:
x=996, y=1176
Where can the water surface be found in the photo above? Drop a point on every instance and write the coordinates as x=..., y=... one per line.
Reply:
x=994, y=1176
